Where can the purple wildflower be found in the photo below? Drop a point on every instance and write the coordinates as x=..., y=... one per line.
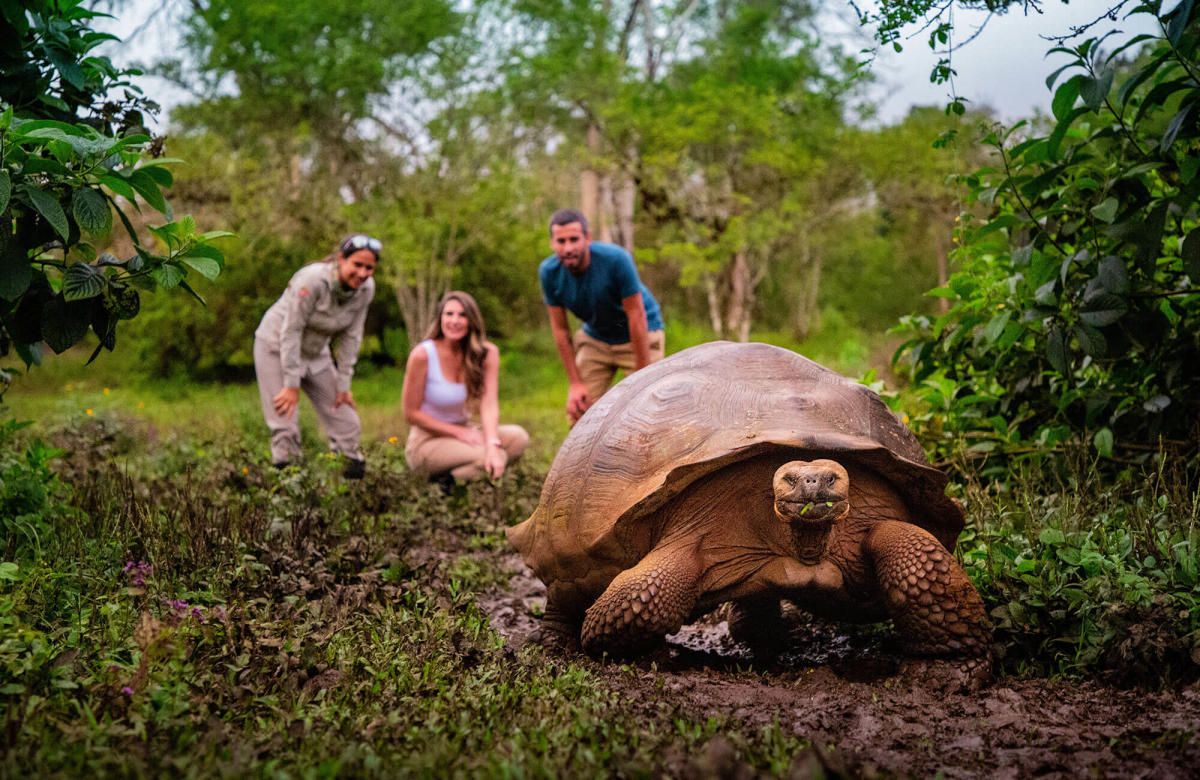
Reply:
x=220, y=612
x=127, y=691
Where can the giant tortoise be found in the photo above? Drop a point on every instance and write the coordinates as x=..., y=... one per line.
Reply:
x=746, y=473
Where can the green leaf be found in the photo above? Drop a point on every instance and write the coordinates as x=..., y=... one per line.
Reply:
x=5, y=189
x=48, y=206
x=167, y=275
x=1056, y=349
x=9, y=571
x=92, y=212
x=1113, y=274
x=1179, y=21
x=1174, y=126
x=120, y=186
x=207, y=267
x=205, y=250
x=1103, y=441
x=15, y=271
x=1091, y=340
x=1127, y=89
x=81, y=281
x=161, y=176
x=1060, y=131
x=64, y=323
x=1189, y=250
x=1106, y=210
x=1045, y=294
x=995, y=328
x=147, y=187
x=1094, y=90
x=1052, y=536
x=193, y=293
x=1065, y=96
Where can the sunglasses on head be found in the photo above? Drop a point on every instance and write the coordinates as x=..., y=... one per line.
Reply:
x=362, y=242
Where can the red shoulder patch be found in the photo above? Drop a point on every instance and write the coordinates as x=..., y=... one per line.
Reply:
x=303, y=292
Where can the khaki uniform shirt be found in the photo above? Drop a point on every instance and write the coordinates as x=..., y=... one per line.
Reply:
x=314, y=311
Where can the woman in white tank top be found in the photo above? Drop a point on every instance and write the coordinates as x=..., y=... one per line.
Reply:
x=451, y=399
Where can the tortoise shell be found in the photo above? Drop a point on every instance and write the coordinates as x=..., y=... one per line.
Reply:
x=699, y=410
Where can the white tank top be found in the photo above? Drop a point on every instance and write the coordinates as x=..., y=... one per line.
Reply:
x=445, y=401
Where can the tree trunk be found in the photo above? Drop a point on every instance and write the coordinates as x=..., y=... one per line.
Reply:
x=714, y=305
x=739, y=284
x=812, y=304
x=589, y=182
x=623, y=199
x=603, y=226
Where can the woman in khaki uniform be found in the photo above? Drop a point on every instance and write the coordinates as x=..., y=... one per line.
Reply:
x=449, y=375
x=324, y=306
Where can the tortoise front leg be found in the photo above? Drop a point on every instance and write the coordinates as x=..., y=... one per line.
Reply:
x=935, y=608
x=644, y=603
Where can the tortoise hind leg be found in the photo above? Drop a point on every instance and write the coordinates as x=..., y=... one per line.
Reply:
x=643, y=603
x=936, y=609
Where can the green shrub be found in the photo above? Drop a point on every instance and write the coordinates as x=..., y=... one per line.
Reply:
x=1077, y=307
x=1087, y=576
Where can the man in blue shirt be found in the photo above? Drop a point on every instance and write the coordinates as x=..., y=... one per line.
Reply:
x=598, y=283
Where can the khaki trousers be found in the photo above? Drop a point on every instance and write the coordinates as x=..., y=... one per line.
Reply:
x=428, y=453
x=598, y=361
x=341, y=425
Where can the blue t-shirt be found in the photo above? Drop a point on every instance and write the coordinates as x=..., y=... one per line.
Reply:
x=595, y=295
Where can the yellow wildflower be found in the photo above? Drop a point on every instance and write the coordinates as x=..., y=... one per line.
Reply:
x=89, y=411
x=107, y=391
x=393, y=439
x=245, y=470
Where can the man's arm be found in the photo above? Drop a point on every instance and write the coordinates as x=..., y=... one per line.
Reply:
x=577, y=395
x=635, y=312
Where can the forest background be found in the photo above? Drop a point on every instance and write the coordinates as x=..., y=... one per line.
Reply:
x=729, y=144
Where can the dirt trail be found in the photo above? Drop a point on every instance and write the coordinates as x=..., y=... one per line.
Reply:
x=851, y=697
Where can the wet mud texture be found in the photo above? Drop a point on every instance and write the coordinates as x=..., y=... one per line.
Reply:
x=867, y=715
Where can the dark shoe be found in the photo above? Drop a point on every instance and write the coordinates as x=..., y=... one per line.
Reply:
x=444, y=481
x=355, y=469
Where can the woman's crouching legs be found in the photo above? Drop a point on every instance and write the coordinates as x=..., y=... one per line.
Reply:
x=432, y=455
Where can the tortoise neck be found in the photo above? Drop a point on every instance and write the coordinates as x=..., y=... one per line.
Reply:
x=810, y=540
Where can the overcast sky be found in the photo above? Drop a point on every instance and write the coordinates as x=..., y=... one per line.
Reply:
x=1004, y=68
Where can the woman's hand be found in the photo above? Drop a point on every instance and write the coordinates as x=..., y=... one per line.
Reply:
x=472, y=436
x=344, y=397
x=285, y=401
x=495, y=460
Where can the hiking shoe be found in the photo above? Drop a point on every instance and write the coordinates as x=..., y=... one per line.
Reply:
x=355, y=468
x=444, y=482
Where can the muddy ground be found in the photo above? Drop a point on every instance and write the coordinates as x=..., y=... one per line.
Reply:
x=853, y=698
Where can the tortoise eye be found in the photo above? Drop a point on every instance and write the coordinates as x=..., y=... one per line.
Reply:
x=790, y=479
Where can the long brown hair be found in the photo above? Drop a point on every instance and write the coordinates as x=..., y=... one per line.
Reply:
x=474, y=352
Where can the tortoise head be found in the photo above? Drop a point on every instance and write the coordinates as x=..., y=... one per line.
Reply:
x=810, y=496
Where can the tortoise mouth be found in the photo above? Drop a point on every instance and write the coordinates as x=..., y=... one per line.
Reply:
x=810, y=511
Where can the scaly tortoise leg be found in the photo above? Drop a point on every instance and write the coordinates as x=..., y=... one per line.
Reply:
x=643, y=603
x=934, y=606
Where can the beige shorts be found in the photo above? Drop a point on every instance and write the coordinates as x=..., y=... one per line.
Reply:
x=598, y=361
x=428, y=453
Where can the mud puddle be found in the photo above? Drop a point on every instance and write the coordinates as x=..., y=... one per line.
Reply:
x=847, y=693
